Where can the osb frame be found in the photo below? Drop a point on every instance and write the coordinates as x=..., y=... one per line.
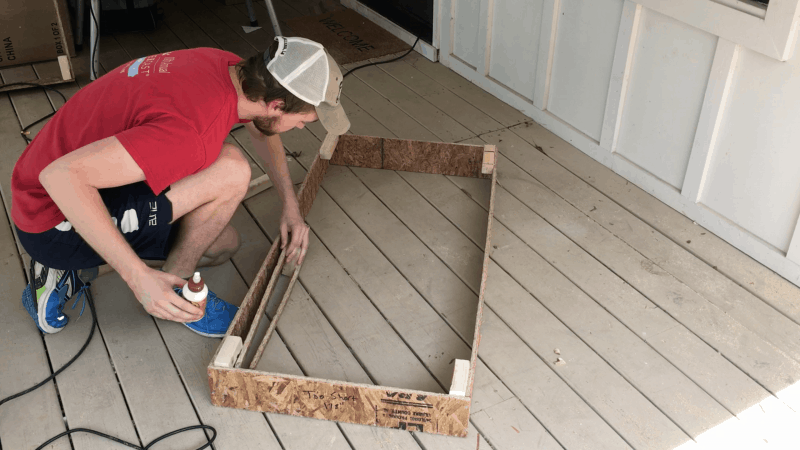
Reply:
x=247, y=388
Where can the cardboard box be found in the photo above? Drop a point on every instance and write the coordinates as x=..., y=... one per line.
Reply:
x=33, y=31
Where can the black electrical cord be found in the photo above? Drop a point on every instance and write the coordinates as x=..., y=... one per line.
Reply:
x=25, y=129
x=383, y=62
x=90, y=299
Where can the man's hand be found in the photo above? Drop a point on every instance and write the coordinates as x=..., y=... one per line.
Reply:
x=292, y=221
x=153, y=289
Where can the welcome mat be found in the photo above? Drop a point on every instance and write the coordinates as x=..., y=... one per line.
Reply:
x=348, y=36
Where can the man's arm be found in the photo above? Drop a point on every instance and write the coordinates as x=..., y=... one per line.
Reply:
x=72, y=181
x=270, y=148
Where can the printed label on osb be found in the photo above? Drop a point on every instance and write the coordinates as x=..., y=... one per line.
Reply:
x=319, y=399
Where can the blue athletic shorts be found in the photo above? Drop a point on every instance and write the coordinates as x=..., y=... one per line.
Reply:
x=142, y=217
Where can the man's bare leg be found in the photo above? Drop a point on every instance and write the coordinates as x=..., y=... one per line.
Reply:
x=205, y=203
x=202, y=206
x=220, y=251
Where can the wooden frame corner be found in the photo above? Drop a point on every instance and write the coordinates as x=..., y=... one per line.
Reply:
x=239, y=385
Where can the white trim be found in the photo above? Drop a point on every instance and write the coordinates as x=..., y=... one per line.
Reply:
x=773, y=36
x=711, y=114
x=620, y=74
x=427, y=50
x=724, y=228
x=794, y=245
x=547, y=45
x=437, y=26
x=487, y=11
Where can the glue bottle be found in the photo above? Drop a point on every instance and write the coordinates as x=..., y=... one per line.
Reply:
x=196, y=291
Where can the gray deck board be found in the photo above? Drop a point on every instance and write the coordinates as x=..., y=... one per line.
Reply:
x=669, y=333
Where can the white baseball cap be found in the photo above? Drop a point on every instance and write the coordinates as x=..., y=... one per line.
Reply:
x=306, y=70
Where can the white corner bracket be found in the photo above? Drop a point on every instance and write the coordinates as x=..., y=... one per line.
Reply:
x=489, y=161
x=228, y=351
x=328, y=146
x=460, y=377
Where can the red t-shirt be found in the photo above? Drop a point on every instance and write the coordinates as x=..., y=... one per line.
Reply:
x=171, y=112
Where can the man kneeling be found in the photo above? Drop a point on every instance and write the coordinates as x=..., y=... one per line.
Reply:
x=133, y=167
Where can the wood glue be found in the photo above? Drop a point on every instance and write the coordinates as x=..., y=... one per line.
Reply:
x=196, y=291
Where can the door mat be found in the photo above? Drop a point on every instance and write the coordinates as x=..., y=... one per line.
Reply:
x=348, y=36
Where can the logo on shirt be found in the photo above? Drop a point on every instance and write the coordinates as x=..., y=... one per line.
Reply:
x=153, y=216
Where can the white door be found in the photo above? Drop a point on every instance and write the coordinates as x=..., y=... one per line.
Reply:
x=664, y=98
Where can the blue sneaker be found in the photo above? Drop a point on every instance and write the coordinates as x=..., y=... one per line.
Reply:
x=52, y=289
x=218, y=317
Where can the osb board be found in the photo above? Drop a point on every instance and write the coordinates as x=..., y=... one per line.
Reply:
x=308, y=192
x=487, y=250
x=409, y=156
x=348, y=36
x=339, y=401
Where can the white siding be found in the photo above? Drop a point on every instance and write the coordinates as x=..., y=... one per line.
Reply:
x=516, y=26
x=754, y=175
x=467, y=43
x=702, y=123
x=668, y=80
x=584, y=51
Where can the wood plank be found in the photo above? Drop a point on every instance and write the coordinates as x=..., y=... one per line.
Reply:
x=471, y=117
x=721, y=256
x=670, y=256
x=460, y=86
x=317, y=348
x=89, y=392
x=293, y=432
x=325, y=360
x=163, y=37
x=135, y=44
x=639, y=364
x=400, y=123
x=597, y=382
x=25, y=360
x=156, y=397
x=192, y=353
x=753, y=355
x=216, y=29
x=259, y=39
x=411, y=156
x=456, y=302
x=431, y=117
x=298, y=432
x=484, y=395
x=189, y=33
x=675, y=342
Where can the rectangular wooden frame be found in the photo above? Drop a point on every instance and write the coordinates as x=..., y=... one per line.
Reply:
x=247, y=388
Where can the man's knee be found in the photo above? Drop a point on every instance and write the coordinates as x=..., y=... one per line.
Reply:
x=236, y=167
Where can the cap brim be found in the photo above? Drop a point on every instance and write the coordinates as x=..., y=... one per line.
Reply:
x=333, y=118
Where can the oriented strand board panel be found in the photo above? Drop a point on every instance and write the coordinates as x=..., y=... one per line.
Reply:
x=670, y=69
x=409, y=156
x=342, y=401
x=584, y=52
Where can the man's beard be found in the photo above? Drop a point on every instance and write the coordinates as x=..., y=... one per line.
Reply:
x=266, y=125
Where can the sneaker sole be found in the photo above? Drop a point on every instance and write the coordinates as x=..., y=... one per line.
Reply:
x=42, y=308
x=206, y=334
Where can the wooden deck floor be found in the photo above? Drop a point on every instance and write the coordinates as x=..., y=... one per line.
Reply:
x=671, y=337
